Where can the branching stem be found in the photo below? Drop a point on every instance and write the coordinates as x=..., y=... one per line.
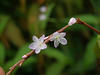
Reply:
x=20, y=62
x=79, y=21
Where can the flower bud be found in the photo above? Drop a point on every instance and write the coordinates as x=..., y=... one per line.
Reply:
x=72, y=21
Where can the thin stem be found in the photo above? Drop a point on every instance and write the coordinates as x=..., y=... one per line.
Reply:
x=20, y=62
x=79, y=21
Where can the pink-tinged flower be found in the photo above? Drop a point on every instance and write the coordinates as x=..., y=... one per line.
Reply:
x=42, y=17
x=72, y=21
x=58, y=38
x=38, y=44
x=43, y=9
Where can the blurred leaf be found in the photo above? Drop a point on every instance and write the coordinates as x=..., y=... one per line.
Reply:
x=59, y=12
x=57, y=67
x=88, y=60
x=3, y=22
x=70, y=4
x=14, y=34
x=2, y=54
x=78, y=3
x=96, y=5
x=32, y=19
x=97, y=48
x=98, y=40
x=22, y=51
x=90, y=56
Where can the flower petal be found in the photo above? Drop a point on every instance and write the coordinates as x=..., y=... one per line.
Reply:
x=72, y=21
x=55, y=34
x=52, y=38
x=37, y=50
x=56, y=43
x=42, y=17
x=42, y=38
x=35, y=38
x=31, y=46
x=63, y=41
x=43, y=9
x=62, y=34
x=44, y=46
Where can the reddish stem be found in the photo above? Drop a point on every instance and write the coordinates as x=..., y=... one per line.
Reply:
x=79, y=21
x=20, y=62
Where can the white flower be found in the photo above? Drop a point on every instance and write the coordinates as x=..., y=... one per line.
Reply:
x=72, y=21
x=58, y=38
x=38, y=44
x=42, y=17
x=43, y=9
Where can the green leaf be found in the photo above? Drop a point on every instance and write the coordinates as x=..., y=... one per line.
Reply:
x=61, y=61
x=3, y=22
x=90, y=55
x=2, y=54
x=97, y=48
x=22, y=51
x=14, y=34
x=98, y=40
x=88, y=60
x=96, y=5
x=78, y=4
x=32, y=19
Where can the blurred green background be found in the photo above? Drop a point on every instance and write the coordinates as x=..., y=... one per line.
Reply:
x=21, y=19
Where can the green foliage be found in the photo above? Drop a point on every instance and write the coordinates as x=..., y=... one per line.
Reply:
x=2, y=54
x=14, y=34
x=88, y=60
x=96, y=5
x=98, y=41
x=32, y=19
x=89, y=57
x=22, y=51
x=97, y=48
x=3, y=22
x=61, y=61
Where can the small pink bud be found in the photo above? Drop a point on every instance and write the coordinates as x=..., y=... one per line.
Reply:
x=42, y=17
x=72, y=21
x=25, y=56
x=43, y=9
